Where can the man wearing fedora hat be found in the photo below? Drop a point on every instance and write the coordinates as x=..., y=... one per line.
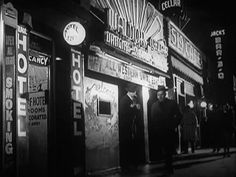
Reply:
x=129, y=115
x=165, y=116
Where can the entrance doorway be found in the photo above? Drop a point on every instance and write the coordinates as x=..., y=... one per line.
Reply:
x=131, y=127
x=38, y=103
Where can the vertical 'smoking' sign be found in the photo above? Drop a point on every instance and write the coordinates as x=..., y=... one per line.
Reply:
x=8, y=28
x=10, y=96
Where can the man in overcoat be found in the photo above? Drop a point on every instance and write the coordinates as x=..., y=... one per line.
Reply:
x=166, y=116
x=128, y=119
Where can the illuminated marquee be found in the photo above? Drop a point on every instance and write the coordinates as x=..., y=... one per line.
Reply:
x=219, y=52
x=181, y=44
x=136, y=28
x=105, y=64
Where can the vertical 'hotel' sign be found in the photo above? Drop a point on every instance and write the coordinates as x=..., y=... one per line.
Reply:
x=21, y=100
x=77, y=70
x=22, y=68
x=77, y=89
x=218, y=40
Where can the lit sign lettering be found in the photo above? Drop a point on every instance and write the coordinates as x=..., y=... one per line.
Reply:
x=181, y=44
x=77, y=116
x=219, y=51
x=137, y=34
x=77, y=91
x=9, y=119
x=169, y=4
x=22, y=68
x=37, y=109
x=9, y=115
x=42, y=60
x=123, y=71
x=218, y=33
x=8, y=28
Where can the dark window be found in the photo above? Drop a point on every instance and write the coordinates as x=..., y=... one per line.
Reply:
x=104, y=108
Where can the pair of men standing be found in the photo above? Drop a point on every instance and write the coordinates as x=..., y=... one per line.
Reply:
x=165, y=117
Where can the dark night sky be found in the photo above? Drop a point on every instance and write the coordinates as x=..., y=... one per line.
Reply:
x=209, y=15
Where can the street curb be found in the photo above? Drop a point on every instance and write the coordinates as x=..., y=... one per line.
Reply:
x=200, y=155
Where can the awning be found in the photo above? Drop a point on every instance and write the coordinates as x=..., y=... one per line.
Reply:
x=187, y=71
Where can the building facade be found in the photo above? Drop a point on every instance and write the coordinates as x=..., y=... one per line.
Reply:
x=60, y=108
x=187, y=71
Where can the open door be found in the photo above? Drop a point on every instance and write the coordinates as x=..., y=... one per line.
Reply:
x=131, y=132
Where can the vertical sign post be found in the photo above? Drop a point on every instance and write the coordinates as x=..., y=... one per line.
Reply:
x=77, y=70
x=8, y=26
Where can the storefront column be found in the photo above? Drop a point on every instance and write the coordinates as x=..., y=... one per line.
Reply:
x=145, y=94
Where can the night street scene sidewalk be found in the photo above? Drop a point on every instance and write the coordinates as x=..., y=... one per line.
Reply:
x=203, y=163
x=117, y=88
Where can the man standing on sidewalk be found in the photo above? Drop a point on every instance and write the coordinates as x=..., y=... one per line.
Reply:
x=129, y=118
x=166, y=116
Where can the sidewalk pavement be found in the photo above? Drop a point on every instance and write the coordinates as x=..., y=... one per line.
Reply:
x=202, y=153
x=158, y=167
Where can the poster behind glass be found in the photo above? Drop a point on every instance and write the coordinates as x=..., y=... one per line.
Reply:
x=38, y=87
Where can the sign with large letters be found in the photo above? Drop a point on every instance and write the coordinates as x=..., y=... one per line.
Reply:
x=135, y=28
x=183, y=46
x=22, y=81
x=9, y=97
x=169, y=4
x=106, y=65
x=77, y=96
x=218, y=36
x=8, y=123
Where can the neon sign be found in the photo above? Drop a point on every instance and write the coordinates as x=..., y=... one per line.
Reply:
x=169, y=4
x=136, y=28
x=181, y=44
x=22, y=69
x=219, y=52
